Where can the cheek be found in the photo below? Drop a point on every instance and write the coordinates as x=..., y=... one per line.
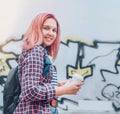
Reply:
x=55, y=36
x=43, y=32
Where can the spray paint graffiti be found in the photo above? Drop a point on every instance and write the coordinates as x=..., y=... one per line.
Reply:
x=98, y=62
x=112, y=92
x=93, y=61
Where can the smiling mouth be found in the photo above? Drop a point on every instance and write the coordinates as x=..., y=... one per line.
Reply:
x=48, y=39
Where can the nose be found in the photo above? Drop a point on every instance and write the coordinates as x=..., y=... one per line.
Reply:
x=50, y=32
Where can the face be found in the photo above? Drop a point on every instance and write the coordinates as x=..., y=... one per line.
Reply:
x=49, y=31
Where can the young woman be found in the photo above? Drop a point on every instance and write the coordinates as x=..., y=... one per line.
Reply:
x=38, y=85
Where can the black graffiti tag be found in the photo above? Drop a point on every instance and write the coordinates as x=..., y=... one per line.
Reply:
x=112, y=93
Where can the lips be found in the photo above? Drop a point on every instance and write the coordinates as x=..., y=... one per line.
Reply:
x=48, y=38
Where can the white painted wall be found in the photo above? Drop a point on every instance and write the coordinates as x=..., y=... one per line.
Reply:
x=88, y=19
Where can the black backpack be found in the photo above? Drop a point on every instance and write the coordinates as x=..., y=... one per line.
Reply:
x=12, y=90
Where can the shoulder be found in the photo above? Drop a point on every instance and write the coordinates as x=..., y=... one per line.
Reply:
x=37, y=51
x=39, y=48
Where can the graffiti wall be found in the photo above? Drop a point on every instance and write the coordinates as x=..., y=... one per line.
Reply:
x=90, y=45
x=99, y=63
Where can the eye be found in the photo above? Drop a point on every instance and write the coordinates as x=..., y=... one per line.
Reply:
x=46, y=27
x=55, y=30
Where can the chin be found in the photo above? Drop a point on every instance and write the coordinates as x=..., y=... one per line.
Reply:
x=48, y=44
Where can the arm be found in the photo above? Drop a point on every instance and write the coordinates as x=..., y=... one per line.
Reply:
x=33, y=87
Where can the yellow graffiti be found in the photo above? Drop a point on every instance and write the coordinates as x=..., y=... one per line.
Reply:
x=118, y=62
x=81, y=71
x=4, y=68
x=76, y=39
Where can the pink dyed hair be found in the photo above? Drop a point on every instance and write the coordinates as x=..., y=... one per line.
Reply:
x=34, y=35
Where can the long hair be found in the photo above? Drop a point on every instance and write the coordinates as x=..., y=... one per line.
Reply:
x=34, y=35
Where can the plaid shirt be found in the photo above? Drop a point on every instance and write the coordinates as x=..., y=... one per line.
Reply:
x=36, y=88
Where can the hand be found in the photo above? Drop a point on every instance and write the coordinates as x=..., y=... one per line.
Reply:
x=71, y=87
x=61, y=83
x=68, y=87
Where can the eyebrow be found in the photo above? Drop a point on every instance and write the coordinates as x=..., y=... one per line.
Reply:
x=50, y=26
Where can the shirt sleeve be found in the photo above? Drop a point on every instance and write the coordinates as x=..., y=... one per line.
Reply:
x=33, y=86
